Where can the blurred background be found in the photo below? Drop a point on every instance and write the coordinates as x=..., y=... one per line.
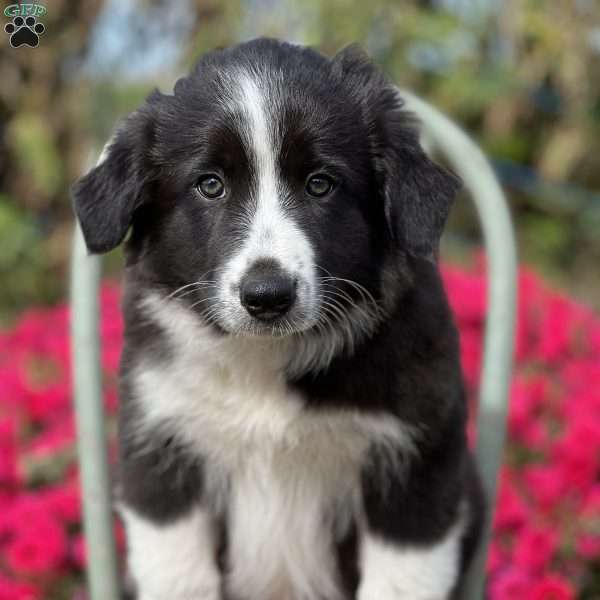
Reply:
x=523, y=76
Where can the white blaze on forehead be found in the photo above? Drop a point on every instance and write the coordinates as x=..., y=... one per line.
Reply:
x=260, y=137
x=272, y=233
x=271, y=227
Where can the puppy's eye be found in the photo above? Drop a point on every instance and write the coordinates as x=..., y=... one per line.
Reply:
x=211, y=186
x=319, y=185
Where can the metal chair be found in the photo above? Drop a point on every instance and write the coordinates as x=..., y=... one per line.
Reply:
x=469, y=162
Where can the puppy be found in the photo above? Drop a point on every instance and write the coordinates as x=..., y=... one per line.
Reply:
x=292, y=409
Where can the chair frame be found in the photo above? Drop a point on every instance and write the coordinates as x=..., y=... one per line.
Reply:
x=466, y=159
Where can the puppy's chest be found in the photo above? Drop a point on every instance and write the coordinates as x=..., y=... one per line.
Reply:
x=285, y=478
x=233, y=408
x=284, y=516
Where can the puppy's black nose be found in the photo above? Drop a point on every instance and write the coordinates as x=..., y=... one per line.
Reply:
x=267, y=296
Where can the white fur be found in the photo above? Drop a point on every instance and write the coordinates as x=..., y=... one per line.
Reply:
x=284, y=467
x=271, y=233
x=392, y=572
x=174, y=561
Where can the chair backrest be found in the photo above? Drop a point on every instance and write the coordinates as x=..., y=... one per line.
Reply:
x=468, y=161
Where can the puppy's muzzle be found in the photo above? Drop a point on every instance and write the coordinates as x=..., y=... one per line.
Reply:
x=267, y=292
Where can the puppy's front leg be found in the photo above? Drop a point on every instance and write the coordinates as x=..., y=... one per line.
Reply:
x=174, y=560
x=412, y=539
x=171, y=539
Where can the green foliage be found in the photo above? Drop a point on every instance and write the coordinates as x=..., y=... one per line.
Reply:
x=525, y=82
x=36, y=152
x=24, y=264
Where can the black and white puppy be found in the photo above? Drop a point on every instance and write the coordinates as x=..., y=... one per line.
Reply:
x=292, y=410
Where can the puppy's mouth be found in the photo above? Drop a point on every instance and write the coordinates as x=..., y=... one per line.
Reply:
x=277, y=327
x=280, y=327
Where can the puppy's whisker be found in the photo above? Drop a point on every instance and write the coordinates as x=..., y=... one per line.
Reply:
x=199, y=288
x=361, y=289
x=203, y=300
x=194, y=285
x=367, y=297
x=328, y=273
x=366, y=309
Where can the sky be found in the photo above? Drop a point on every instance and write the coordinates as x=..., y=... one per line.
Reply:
x=115, y=46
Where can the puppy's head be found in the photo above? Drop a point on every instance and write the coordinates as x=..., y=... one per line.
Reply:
x=269, y=192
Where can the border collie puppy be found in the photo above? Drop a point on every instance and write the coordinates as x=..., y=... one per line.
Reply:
x=292, y=409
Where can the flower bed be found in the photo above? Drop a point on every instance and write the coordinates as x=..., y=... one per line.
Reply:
x=546, y=543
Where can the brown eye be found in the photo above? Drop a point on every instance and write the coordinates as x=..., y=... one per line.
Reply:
x=319, y=185
x=211, y=186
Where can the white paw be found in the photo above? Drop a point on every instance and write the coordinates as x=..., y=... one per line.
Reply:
x=174, y=561
x=392, y=572
x=206, y=590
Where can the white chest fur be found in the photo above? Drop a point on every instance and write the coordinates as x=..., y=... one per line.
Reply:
x=286, y=476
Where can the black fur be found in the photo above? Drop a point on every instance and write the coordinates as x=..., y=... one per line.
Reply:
x=386, y=215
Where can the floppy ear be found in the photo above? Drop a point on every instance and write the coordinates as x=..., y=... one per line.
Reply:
x=105, y=199
x=418, y=194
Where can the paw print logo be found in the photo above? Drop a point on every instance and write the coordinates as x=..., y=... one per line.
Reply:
x=24, y=31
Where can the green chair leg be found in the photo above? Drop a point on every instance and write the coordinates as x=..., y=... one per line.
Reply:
x=102, y=573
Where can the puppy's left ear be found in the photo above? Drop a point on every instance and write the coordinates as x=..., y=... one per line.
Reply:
x=418, y=193
x=106, y=198
x=418, y=197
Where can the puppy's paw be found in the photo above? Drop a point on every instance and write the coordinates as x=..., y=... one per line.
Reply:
x=205, y=590
x=192, y=586
x=174, y=561
x=394, y=572
x=388, y=591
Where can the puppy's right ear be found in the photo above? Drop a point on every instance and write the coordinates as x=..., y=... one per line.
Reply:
x=105, y=199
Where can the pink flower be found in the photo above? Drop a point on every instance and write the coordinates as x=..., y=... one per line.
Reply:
x=467, y=295
x=511, y=584
x=9, y=469
x=583, y=374
x=531, y=296
x=511, y=510
x=79, y=551
x=527, y=398
x=64, y=502
x=551, y=587
x=50, y=402
x=16, y=590
x=39, y=547
x=534, y=549
x=591, y=503
x=588, y=546
x=578, y=453
x=56, y=437
x=496, y=558
x=471, y=354
x=560, y=322
x=546, y=484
